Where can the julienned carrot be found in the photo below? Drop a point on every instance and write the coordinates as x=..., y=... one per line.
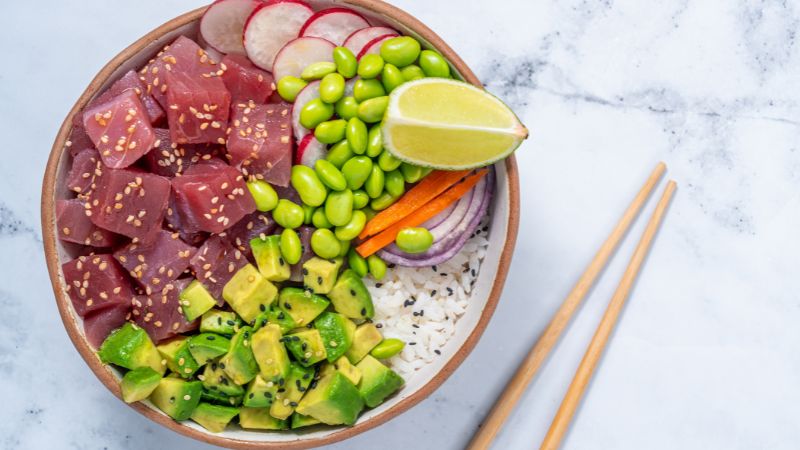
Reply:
x=419, y=216
x=425, y=191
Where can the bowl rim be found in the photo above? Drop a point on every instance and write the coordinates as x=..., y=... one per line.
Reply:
x=50, y=237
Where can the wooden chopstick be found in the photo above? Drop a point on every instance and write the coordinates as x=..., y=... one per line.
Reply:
x=594, y=351
x=533, y=361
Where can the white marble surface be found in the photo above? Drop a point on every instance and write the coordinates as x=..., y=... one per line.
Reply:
x=705, y=355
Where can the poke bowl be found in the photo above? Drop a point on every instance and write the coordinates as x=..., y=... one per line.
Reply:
x=439, y=309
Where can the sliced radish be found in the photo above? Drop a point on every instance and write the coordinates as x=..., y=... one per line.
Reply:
x=310, y=151
x=359, y=39
x=350, y=86
x=308, y=93
x=223, y=23
x=334, y=24
x=299, y=53
x=374, y=46
x=270, y=27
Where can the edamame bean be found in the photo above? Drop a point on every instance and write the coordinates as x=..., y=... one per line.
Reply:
x=288, y=214
x=325, y=244
x=411, y=173
x=291, y=246
x=360, y=199
x=400, y=51
x=264, y=195
x=391, y=77
x=308, y=185
x=433, y=64
x=347, y=108
x=331, y=88
x=289, y=87
x=370, y=66
x=315, y=112
x=384, y=201
x=353, y=228
x=357, y=135
x=356, y=171
x=357, y=263
x=339, y=207
x=309, y=213
x=369, y=212
x=387, y=348
x=414, y=240
x=367, y=89
x=372, y=110
x=330, y=175
x=412, y=72
x=377, y=268
x=346, y=62
x=345, y=248
x=388, y=162
x=318, y=70
x=330, y=132
x=375, y=141
x=375, y=182
x=339, y=154
x=319, y=219
x=426, y=171
x=395, y=184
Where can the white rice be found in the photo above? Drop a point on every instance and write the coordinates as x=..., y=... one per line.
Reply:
x=421, y=306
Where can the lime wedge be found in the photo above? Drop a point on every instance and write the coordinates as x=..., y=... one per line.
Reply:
x=450, y=125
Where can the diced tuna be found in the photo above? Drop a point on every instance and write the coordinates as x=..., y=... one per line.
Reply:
x=131, y=82
x=75, y=226
x=120, y=130
x=160, y=314
x=245, y=81
x=260, y=141
x=251, y=226
x=198, y=108
x=289, y=193
x=86, y=167
x=155, y=264
x=169, y=159
x=215, y=263
x=172, y=222
x=97, y=326
x=305, y=239
x=96, y=282
x=78, y=139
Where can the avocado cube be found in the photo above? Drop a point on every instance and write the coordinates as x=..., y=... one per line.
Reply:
x=176, y=397
x=320, y=274
x=366, y=338
x=196, y=301
x=337, y=333
x=218, y=398
x=216, y=380
x=275, y=316
x=377, y=381
x=205, y=347
x=260, y=393
x=130, y=347
x=270, y=354
x=179, y=358
x=267, y=253
x=351, y=297
x=300, y=421
x=333, y=401
x=326, y=369
x=306, y=346
x=220, y=322
x=347, y=369
x=239, y=363
x=139, y=383
x=214, y=418
x=259, y=419
x=249, y=293
x=301, y=305
x=293, y=390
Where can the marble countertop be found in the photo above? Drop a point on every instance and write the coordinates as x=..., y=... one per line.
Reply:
x=705, y=355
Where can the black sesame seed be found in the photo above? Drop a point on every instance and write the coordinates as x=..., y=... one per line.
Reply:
x=305, y=271
x=415, y=325
x=224, y=381
x=172, y=399
x=473, y=272
x=222, y=366
x=304, y=347
x=213, y=366
x=231, y=323
x=264, y=322
x=301, y=389
x=251, y=395
x=306, y=375
x=363, y=311
x=319, y=280
x=219, y=320
x=449, y=291
x=392, y=266
x=211, y=337
x=433, y=293
x=352, y=292
x=297, y=383
x=311, y=325
x=280, y=261
x=437, y=352
x=262, y=307
x=287, y=305
x=434, y=268
x=281, y=381
x=292, y=404
x=281, y=316
x=313, y=384
x=295, y=338
x=378, y=285
x=378, y=325
x=412, y=343
x=281, y=390
x=268, y=394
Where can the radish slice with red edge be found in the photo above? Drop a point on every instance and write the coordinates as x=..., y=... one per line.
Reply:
x=359, y=39
x=270, y=27
x=310, y=151
x=308, y=93
x=334, y=24
x=374, y=46
x=222, y=24
x=299, y=53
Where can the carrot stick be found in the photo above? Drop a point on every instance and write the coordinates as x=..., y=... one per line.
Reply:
x=419, y=216
x=425, y=191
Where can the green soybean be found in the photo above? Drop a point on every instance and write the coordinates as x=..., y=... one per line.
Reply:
x=308, y=185
x=331, y=88
x=288, y=214
x=325, y=244
x=345, y=249
x=374, y=141
x=291, y=246
x=370, y=66
x=330, y=132
x=433, y=64
x=400, y=51
x=414, y=240
x=411, y=173
x=391, y=77
x=357, y=263
x=308, y=212
x=377, y=268
x=372, y=110
x=395, y=183
x=375, y=182
x=339, y=154
x=367, y=89
x=387, y=348
x=384, y=201
x=360, y=199
x=315, y=112
x=318, y=70
x=369, y=212
x=319, y=219
x=346, y=62
x=347, y=108
x=356, y=134
x=412, y=72
x=388, y=162
x=356, y=171
x=264, y=195
x=330, y=175
x=339, y=207
x=353, y=228
x=289, y=87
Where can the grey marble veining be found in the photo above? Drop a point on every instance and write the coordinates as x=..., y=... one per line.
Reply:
x=705, y=355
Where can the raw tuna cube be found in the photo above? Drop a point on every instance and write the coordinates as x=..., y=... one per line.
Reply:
x=120, y=130
x=215, y=263
x=289, y=193
x=78, y=139
x=245, y=81
x=131, y=82
x=75, y=226
x=155, y=264
x=260, y=141
x=169, y=159
x=174, y=224
x=129, y=203
x=96, y=282
x=305, y=238
x=160, y=314
x=198, y=108
x=97, y=326
x=251, y=226
x=86, y=167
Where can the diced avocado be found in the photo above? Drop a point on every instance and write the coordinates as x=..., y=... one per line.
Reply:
x=220, y=322
x=130, y=347
x=301, y=305
x=270, y=354
x=139, y=383
x=326, y=369
x=337, y=333
x=306, y=346
x=333, y=401
x=377, y=381
x=179, y=358
x=176, y=397
x=218, y=398
x=196, y=301
x=366, y=338
x=276, y=316
x=267, y=253
x=259, y=419
x=214, y=418
x=239, y=363
x=296, y=385
x=207, y=346
x=351, y=297
x=249, y=293
x=320, y=274
x=216, y=380
x=300, y=421
x=347, y=369
x=260, y=393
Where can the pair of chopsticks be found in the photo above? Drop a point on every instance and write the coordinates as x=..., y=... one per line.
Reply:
x=527, y=370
